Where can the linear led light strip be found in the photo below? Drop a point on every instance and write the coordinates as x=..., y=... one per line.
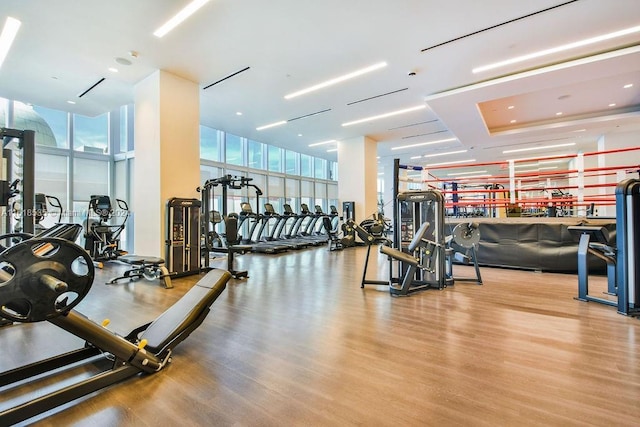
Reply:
x=544, y=147
x=315, y=144
x=366, y=119
x=9, y=32
x=337, y=80
x=385, y=115
x=188, y=10
x=557, y=49
x=456, y=162
x=466, y=173
x=444, y=154
x=424, y=143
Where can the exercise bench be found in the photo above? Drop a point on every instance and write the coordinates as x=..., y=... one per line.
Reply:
x=151, y=268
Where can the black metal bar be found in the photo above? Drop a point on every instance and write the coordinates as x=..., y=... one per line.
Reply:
x=28, y=181
x=46, y=365
x=67, y=394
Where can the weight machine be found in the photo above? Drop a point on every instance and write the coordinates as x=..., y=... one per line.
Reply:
x=210, y=215
x=25, y=184
x=102, y=239
x=183, y=236
x=623, y=269
x=43, y=280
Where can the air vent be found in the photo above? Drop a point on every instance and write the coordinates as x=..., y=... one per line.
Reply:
x=309, y=115
x=424, y=134
x=377, y=96
x=498, y=25
x=227, y=77
x=91, y=88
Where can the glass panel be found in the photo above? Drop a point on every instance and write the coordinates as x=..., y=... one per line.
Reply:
x=52, y=179
x=291, y=163
x=321, y=195
x=306, y=188
x=89, y=177
x=254, y=152
x=233, y=149
x=259, y=181
x=236, y=196
x=276, y=186
x=320, y=168
x=292, y=192
x=57, y=124
x=120, y=192
x=275, y=159
x=332, y=191
x=91, y=134
x=305, y=165
x=209, y=143
x=209, y=172
x=333, y=171
x=123, y=130
x=3, y=112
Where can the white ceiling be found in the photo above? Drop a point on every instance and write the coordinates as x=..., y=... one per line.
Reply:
x=64, y=47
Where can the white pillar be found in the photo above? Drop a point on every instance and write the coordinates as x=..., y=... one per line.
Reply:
x=357, y=174
x=167, y=154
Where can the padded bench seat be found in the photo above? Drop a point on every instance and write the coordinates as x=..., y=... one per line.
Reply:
x=179, y=320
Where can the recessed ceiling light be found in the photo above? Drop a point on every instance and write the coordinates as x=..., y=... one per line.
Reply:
x=299, y=134
x=613, y=104
x=510, y=107
x=179, y=17
x=71, y=102
x=113, y=70
x=557, y=49
x=336, y=80
x=444, y=154
x=424, y=143
x=331, y=150
x=513, y=121
x=382, y=116
x=627, y=86
x=415, y=157
x=271, y=125
x=9, y=32
x=559, y=113
x=315, y=144
x=542, y=147
x=238, y=113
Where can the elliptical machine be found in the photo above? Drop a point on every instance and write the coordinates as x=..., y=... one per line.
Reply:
x=102, y=239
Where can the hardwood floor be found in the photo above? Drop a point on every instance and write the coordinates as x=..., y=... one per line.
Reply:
x=299, y=343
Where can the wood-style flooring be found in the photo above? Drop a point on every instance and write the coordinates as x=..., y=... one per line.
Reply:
x=299, y=343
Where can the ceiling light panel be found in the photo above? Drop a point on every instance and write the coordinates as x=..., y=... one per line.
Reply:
x=543, y=147
x=272, y=125
x=337, y=80
x=176, y=20
x=9, y=32
x=556, y=49
x=385, y=115
x=424, y=143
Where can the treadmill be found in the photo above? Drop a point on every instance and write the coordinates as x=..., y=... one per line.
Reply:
x=257, y=245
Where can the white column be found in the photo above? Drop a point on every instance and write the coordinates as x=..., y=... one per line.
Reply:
x=357, y=174
x=167, y=154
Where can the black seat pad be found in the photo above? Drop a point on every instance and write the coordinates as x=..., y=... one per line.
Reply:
x=399, y=255
x=141, y=260
x=184, y=316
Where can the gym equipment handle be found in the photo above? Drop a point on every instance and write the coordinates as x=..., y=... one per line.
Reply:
x=53, y=283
